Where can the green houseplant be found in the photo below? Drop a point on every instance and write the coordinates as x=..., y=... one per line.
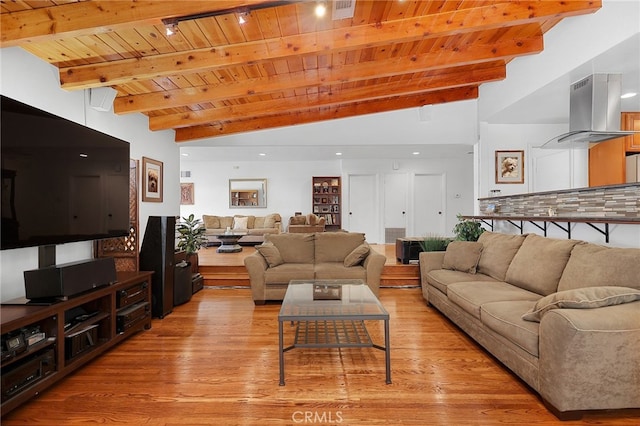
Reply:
x=467, y=230
x=434, y=243
x=191, y=238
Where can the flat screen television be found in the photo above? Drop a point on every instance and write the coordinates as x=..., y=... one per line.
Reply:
x=61, y=182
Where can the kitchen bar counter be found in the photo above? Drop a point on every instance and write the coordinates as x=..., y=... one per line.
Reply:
x=556, y=221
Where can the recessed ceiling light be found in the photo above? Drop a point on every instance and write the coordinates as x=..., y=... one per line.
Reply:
x=262, y=154
x=83, y=155
x=628, y=95
x=184, y=154
x=321, y=9
x=416, y=152
x=338, y=153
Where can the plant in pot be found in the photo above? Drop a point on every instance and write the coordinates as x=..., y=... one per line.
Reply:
x=434, y=243
x=191, y=238
x=467, y=230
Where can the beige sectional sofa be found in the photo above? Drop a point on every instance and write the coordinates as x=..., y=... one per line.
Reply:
x=252, y=225
x=563, y=315
x=321, y=255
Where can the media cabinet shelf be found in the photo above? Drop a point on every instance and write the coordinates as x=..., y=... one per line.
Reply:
x=104, y=303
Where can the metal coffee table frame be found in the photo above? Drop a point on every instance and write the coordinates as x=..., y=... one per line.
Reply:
x=331, y=323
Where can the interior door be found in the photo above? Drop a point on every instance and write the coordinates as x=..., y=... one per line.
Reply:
x=428, y=205
x=362, y=207
x=395, y=206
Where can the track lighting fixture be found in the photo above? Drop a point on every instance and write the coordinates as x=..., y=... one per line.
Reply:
x=170, y=26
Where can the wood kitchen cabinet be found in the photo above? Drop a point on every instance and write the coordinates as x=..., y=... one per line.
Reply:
x=607, y=163
x=631, y=121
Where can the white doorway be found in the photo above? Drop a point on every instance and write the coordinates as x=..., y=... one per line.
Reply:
x=395, y=206
x=363, y=206
x=428, y=213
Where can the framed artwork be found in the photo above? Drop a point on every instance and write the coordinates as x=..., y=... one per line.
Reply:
x=151, y=180
x=509, y=166
x=186, y=193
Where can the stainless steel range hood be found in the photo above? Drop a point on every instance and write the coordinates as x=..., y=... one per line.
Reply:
x=594, y=112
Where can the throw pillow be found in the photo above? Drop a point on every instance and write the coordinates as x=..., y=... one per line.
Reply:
x=582, y=298
x=312, y=219
x=462, y=256
x=271, y=254
x=240, y=222
x=297, y=220
x=357, y=255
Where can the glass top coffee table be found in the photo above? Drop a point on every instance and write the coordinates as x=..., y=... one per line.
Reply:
x=331, y=314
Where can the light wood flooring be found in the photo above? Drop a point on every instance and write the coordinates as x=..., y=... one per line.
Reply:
x=214, y=361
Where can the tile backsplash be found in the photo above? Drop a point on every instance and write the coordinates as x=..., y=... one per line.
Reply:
x=617, y=201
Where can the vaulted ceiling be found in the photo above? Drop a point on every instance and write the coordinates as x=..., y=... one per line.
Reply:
x=284, y=65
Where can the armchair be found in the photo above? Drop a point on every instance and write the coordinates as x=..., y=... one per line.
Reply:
x=306, y=224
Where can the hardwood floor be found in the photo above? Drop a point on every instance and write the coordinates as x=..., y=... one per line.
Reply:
x=214, y=361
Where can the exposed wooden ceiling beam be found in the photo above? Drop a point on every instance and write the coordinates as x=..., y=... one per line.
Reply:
x=321, y=42
x=323, y=114
x=326, y=97
x=98, y=16
x=300, y=80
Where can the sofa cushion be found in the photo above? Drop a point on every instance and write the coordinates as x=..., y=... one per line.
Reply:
x=592, y=265
x=335, y=246
x=441, y=278
x=286, y=272
x=497, y=252
x=294, y=248
x=357, y=255
x=271, y=219
x=240, y=222
x=226, y=221
x=337, y=270
x=471, y=295
x=462, y=256
x=297, y=220
x=505, y=318
x=271, y=254
x=258, y=222
x=538, y=264
x=211, y=222
x=582, y=298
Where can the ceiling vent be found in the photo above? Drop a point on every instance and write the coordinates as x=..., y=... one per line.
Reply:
x=185, y=173
x=343, y=9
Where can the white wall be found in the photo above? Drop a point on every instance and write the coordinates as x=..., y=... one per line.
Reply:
x=289, y=187
x=30, y=80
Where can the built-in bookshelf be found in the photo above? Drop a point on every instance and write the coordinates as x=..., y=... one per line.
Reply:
x=327, y=200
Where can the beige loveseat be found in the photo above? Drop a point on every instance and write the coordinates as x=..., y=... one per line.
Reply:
x=306, y=224
x=322, y=255
x=563, y=315
x=252, y=225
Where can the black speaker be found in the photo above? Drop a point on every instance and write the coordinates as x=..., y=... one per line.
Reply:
x=157, y=254
x=69, y=279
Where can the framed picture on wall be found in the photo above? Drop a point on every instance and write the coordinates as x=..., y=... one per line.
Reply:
x=186, y=193
x=509, y=166
x=151, y=180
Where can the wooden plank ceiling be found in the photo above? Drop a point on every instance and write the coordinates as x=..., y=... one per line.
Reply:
x=283, y=66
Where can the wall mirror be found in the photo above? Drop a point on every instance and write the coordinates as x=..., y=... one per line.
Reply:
x=247, y=193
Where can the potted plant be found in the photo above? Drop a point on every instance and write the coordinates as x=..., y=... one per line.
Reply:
x=434, y=243
x=467, y=230
x=191, y=238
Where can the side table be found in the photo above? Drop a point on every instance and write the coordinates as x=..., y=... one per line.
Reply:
x=229, y=243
